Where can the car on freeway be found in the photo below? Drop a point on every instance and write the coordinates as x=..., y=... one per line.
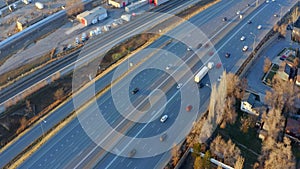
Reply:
x=163, y=137
x=238, y=12
x=248, y=4
x=227, y=55
x=135, y=90
x=245, y=48
x=249, y=22
x=200, y=85
x=179, y=86
x=224, y=19
x=199, y=45
x=267, y=1
x=132, y=153
x=243, y=38
x=164, y=118
x=189, y=108
x=259, y=27
x=169, y=66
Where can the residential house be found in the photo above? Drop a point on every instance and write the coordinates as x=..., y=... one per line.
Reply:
x=251, y=104
x=296, y=31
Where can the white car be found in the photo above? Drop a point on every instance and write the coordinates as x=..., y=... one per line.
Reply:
x=238, y=12
x=169, y=66
x=267, y=1
x=245, y=48
x=259, y=27
x=179, y=85
x=243, y=38
x=164, y=118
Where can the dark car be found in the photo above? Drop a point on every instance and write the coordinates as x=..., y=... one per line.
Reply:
x=135, y=90
x=224, y=19
x=248, y=4
x=200, y=85
x=199, y=45
x=132, y=153
x=249, y=22
x=227, y=55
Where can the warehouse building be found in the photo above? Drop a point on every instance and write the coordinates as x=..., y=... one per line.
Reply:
x=28, y=20
x=118, y=3
x=93, y=16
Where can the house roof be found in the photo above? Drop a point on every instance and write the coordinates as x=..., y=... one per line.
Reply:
x=249, y=97
x=293, y=127
x=297, y=23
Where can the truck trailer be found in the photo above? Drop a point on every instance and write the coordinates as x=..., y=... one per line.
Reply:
x=201, y=74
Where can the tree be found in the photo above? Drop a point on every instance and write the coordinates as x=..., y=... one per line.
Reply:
x=239, y=163
x=74, y=7
x=246, y=123
x=197, y=163
x=28, y=108
x=295, y=14
x=176, y=152
x=273, y=122
x=206, y=160
x=267, y=65
x=279, y=155
x=225, y=150
x=59, y=94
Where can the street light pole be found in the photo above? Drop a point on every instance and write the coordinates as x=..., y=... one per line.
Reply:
x=253, y=40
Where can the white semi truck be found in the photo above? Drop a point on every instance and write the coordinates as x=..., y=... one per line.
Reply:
x=201, y=74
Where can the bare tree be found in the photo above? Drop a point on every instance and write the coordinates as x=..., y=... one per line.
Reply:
x=295, y=14
x=28, y=109
x=225, y=150
x=176, y=152
x=59, y=94
x=197, y=163
x=279, y=156
x=74, y=7
x=267, y=65
x=246, y=123
x=239, y=164
x=274, y=122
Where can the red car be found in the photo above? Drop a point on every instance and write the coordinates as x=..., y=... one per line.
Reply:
x=189, y=108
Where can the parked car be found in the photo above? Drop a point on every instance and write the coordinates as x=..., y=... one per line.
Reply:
x=249, y=22
x=238, y=12
x=259, y=27
x=245, y=48
x=227, y=55
x=164, y=118
x=135, y=90
x=243, y=38
x=224, y=19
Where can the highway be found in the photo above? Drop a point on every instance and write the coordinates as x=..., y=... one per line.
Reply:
x=73, y=136
x=18, y=87
x=106, y=40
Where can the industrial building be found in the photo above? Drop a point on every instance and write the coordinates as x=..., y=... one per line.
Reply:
x=93, y=16
x=28, y=20
x=118, y=3
x=136, y=5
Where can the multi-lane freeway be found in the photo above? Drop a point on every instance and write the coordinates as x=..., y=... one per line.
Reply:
x=72, y=148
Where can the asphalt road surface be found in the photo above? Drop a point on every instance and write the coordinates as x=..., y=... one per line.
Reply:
x=75, y=150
